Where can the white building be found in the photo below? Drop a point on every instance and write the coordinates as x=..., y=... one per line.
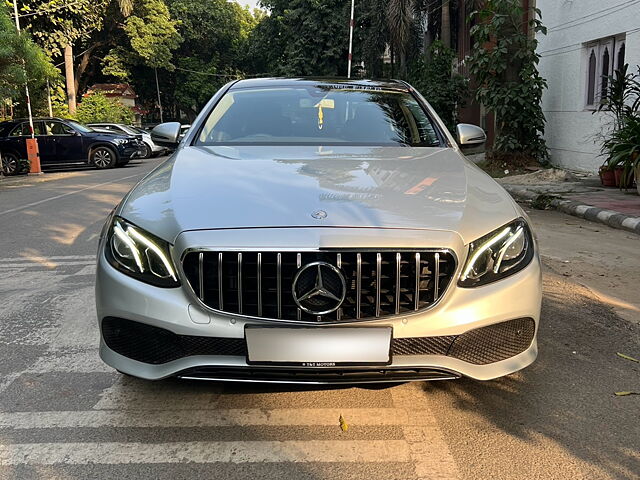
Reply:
x=586, y=39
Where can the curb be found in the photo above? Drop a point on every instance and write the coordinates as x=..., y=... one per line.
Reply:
x=611, y=218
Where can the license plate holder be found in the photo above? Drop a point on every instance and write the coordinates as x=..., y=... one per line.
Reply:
x=315, y=347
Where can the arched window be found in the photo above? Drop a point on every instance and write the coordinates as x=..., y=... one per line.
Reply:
x=620, y=57
x=604, y=84
x=591, y=81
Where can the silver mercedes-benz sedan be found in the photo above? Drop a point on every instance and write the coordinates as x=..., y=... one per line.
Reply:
x=314, y=230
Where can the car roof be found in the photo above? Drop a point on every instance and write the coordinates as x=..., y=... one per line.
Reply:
x=315, y=81
x=37, y=119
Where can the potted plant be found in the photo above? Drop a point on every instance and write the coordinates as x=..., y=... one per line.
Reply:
x=607, y=176
x=623, y=149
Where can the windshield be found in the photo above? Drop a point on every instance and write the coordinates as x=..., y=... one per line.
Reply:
x=318, y=115
x=79, y=127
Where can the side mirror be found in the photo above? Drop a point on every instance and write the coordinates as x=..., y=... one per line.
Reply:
x=471, y=138
x=166, y=134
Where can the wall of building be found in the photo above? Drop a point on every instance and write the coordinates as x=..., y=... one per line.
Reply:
x=573, y=131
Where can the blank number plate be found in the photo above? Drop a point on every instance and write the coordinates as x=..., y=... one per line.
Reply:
x=318, y=347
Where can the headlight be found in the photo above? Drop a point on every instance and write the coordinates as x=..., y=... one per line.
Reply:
x=139, y=254
x=499, y=254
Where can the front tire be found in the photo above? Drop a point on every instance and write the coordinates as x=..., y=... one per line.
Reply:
x=103, y=157
x=148, y=152
x=10, y=164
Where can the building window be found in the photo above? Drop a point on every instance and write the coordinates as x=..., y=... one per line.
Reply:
x=603, y=58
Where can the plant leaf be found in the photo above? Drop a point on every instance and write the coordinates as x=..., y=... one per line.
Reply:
x=344, y=426
x=624, y=394
x=627, y=357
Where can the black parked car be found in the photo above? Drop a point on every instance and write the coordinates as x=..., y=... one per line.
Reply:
x=65, y=142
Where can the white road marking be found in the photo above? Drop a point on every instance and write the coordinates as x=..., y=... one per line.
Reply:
x=50, y=266
x=52, y=258
x=205, y=452
x=427, y=446
x=56, y=197
x=213, y=418
x=88, y=270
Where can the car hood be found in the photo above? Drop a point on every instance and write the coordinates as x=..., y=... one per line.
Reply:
x=203, y=188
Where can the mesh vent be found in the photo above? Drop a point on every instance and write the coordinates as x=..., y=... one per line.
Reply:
x=422, y=345
x=155, y=345
x=495, y=342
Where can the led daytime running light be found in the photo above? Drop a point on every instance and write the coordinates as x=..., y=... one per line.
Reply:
x=492, y=241
x=141, y=238
x=519, y=232
x=120, y=233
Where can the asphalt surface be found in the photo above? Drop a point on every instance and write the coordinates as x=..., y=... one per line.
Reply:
x=65, y=415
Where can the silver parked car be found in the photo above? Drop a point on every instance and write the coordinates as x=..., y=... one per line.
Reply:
x=318, y=231
x=151, y=149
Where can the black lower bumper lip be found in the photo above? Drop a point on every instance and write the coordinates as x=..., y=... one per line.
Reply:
x=317, y=376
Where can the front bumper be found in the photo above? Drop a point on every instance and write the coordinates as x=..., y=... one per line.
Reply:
x=460, y=311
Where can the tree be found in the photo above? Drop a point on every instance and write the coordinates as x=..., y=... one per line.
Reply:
x=504, y=62
x=21, y=60
x=303, y=37
x=445, y=90
x=96, y=107
x=401, y=23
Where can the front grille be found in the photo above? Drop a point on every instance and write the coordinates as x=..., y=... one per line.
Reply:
x=378, y=283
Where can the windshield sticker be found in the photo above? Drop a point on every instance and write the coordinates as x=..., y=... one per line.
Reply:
x=324, y=103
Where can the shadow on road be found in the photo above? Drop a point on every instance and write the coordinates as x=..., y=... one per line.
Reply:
x=566, y=399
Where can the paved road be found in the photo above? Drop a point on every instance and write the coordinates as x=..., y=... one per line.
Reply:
x=65, y=415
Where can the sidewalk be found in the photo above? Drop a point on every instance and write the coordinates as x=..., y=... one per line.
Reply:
x=582, y=196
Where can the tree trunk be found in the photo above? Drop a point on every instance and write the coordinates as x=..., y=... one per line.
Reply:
x=445, y=28
x=71, y=85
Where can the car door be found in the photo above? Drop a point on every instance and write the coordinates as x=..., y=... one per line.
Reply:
x=46, y=143
x=68, y=142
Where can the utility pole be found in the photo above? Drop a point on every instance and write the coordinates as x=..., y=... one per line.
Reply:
x=351, y=24
x=49, y=99
x=33, y=154
x=159, y=101
x=71, y=85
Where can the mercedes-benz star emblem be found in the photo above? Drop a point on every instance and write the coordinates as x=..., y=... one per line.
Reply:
x=319, y=214
x=319, y=288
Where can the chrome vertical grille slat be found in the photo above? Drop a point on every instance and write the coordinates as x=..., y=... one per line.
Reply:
x=416, y=293
x=298, y=265
x=258, y=284
x=378, y=282
x=279, y=283
x=436, y=274
x=398, y=281
x=259, y=275
x=220, y=292
x=240, y=282
x=358, y=285
x=201, y=276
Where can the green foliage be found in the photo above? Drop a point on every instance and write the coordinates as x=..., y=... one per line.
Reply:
x=623, y=96
x=622, y=145
x=99, y=108
x=20, y=59
x=56, y=23
x=302, y=37
x=504, y=63
x=152, y=33
x=433, y=76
